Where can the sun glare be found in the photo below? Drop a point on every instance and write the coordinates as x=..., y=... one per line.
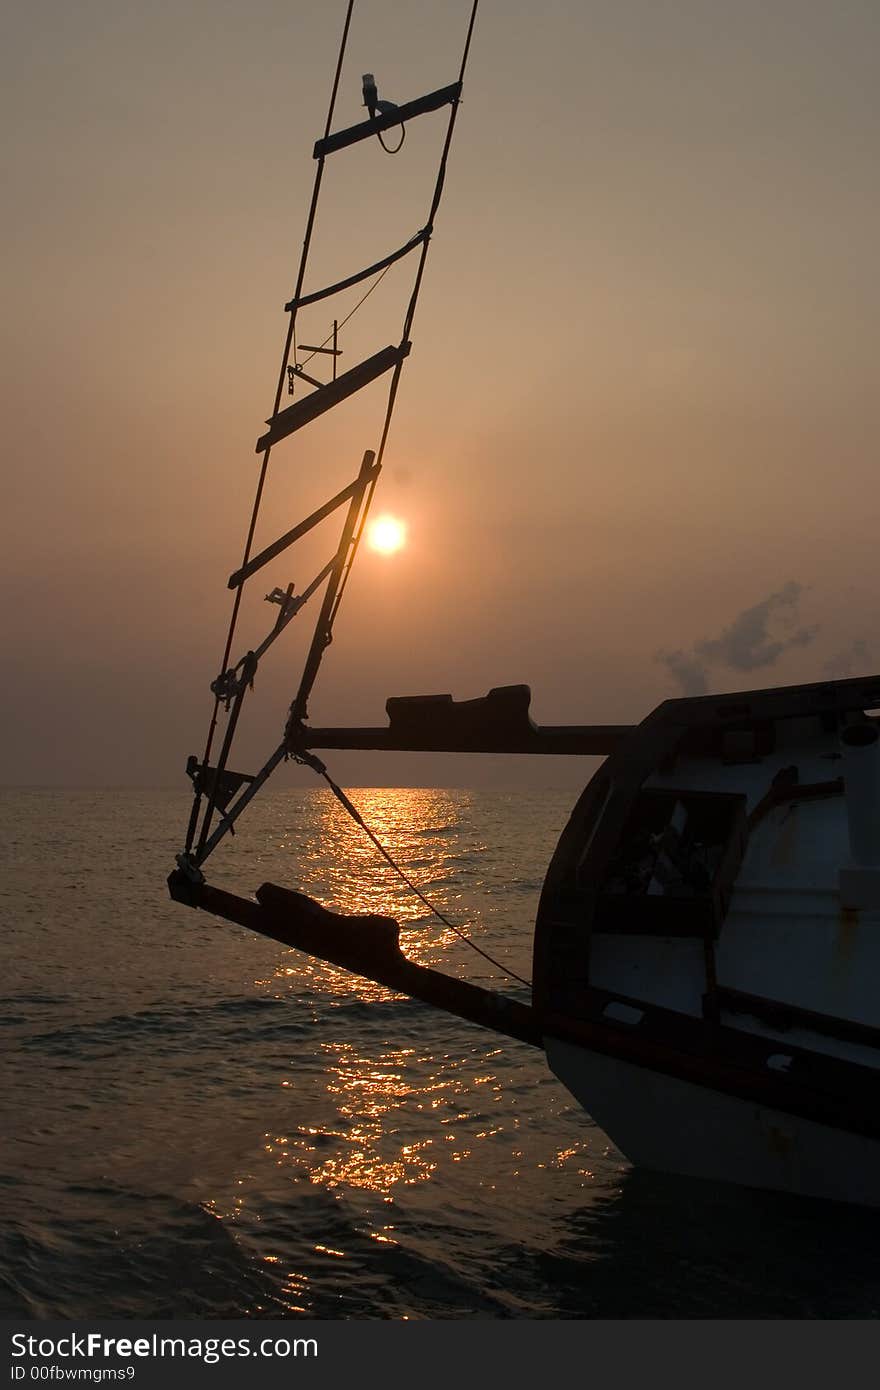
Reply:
x=386, y=535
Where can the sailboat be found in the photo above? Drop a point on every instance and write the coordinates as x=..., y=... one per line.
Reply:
x=707, y=941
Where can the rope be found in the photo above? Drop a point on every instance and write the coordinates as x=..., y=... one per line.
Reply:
x=309, y=760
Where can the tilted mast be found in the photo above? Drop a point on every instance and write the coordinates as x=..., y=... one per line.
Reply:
x=215, y=786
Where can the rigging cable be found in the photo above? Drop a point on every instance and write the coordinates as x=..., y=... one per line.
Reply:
x=298, y=709
x=349, y=316
x=323, y=632
x=309, y=760
x=285, y=358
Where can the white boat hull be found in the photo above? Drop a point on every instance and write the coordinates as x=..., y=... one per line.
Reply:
x=663, y=1123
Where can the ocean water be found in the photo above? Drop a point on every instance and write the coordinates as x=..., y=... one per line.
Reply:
x=201, y=1123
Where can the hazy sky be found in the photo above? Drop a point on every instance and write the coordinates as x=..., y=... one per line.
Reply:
x=636, y=439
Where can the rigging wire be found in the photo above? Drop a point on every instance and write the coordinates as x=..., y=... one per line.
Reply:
x=343, y=322
x=298, y=708
x=309, y=760
x=285, y=358
x=298, y=711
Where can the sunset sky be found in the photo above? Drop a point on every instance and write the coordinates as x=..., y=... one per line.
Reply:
x=636, y=441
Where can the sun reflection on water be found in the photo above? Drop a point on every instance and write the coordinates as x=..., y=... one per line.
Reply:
x=391, y=1107
x=367, y=1152
x=426, y=833
x=309, y=1145
x=420, y=831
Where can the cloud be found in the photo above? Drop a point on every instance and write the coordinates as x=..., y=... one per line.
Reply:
x=686, y=670
x=746, y=644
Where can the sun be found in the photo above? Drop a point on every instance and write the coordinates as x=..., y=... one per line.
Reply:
x=386, y=535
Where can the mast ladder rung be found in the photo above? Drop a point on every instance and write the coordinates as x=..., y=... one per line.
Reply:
x=360, y=275
x=369, y=469
x=325, y=397
x=341, y=139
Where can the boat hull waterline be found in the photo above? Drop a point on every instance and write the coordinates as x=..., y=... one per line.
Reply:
x=667, y=1125
x=707, y=942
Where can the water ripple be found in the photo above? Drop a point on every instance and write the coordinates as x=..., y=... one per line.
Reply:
x=207, y=1124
